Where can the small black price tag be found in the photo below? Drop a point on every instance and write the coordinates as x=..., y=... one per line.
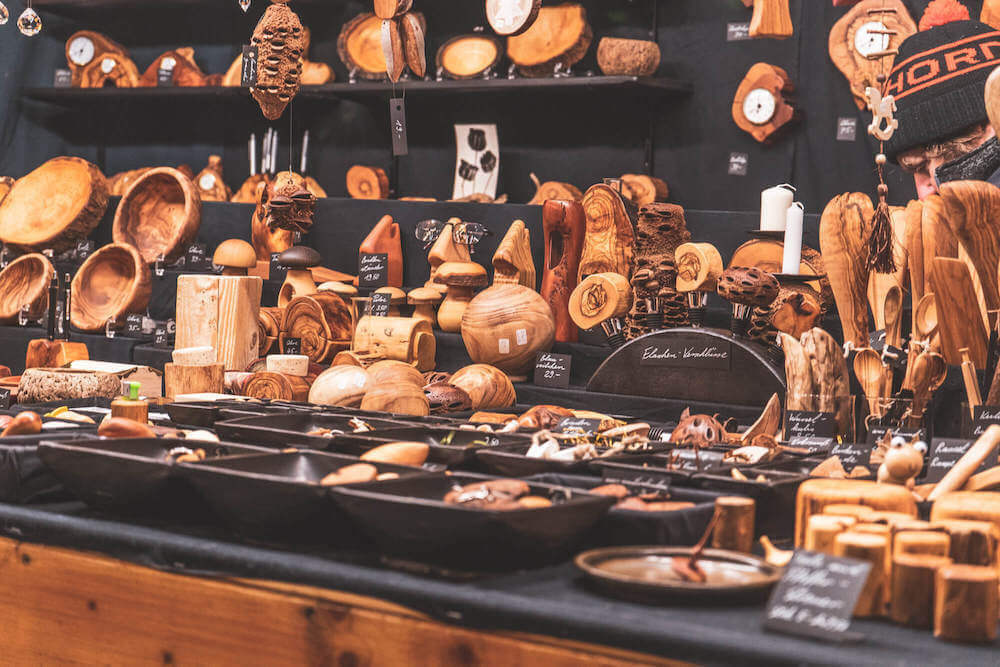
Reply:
x=649, y=482
x=165, y=77
x=853, y=454
x=397, y=126
x=277, y=271
x=378, y=304
x=807, y=424
x=877, y=432
x=983, y=416
x=196, y=257
x=83, y=249
x=63, y=79
x=737, y=32
x=161, y=337
x=814, y=444
x=373, y=269
x=552, y=370
x=4, y=399
x=248, y=77
x=847, y=128
x=738, y=164
x=133, y=325
x=816, y=596
x=578, y=425
x=945, y=452
x=292, y=346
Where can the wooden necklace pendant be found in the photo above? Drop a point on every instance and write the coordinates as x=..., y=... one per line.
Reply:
x=280, y=40
x=761, y=107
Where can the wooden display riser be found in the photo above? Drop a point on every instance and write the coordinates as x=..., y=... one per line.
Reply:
x=61, y=605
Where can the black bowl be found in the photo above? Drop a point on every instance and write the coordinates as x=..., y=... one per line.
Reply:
x=453, y=447
x=292, y=430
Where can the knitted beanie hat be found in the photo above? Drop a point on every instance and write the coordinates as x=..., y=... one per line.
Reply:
x=938, y=80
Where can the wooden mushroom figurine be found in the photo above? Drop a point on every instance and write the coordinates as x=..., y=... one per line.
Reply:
x=397, y=298
x=699, y=266
x=298, y=280
x=423, y=300
x=746, y=288
x=602, y=298
x=235, y=256
x=461, y=279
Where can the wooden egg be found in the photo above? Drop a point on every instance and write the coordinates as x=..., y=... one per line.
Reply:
x=25, y=282
x=159, y=214
x=111, y=283
x=506, y=326
x=342, y=386
x=401, y=398
x=487, y=386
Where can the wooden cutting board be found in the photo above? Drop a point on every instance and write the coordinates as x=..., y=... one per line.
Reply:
x=841, y=240
x=973, y=215
x=960, y=324
x=915, y=254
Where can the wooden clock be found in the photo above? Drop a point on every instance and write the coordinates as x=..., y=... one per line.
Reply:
x=95, y=60
x=860, y=44
x=761, y=107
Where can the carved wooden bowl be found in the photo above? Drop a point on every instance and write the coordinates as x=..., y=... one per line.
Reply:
x=25, y=282
x=112, y=283
x=506, y=326
x=159, y=214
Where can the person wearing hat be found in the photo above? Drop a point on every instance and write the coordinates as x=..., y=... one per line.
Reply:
x=938, y=80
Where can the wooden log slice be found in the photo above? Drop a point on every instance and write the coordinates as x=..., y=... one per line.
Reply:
x=842, y=232
x=323, y=323
x=699, y=266
x=38, y=385
x=277, y=386
x=414, y=49
x=392, y=49
x=507, y=326
x=468, y=56
x=365, y=182
x=643, y=189
x=511, y=17
x=54, y=206
x=390, y=9
x=629, y=57
x=115, y=70
x=25, y=282
x=360, y=46
x=269, y=329
x=609, y=244
x=554, y=190
x=559, y=36
x=160, y=215
x=111, y=283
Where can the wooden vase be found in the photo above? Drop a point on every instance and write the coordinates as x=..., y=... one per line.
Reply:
x=111, y=283
x=507, y=326
x=159, y=214
x=564, y=225
x=25, y=282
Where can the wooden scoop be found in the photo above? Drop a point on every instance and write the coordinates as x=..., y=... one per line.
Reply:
x=869, y=370
x=686, y=567
x=925, y=320
x=892, y=310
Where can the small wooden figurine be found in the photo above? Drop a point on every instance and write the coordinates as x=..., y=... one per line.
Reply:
x=445, y=249
x=461, y=279
x=384, y=238
x=299, y=261
x=903, y=462
x=512, y=262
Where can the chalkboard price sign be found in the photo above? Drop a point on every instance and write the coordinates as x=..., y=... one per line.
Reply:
x=378, y=304
x=552, y=370
x=196, y=258
x=578, y=425
x=945, y=452
x=983, y=416
x=160, y=336
x=373, y=269
x=292, y=346
x=277, y=271
x=133, y=325
x=803, y=427
x=852, y=454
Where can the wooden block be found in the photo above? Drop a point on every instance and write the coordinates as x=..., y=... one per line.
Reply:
x=734, y=529
x=181, y=379
x=38, y=385
x=874, y=549
x=931, y=543
x=194, y=356
x=384, y=238
x=965, y=603
x=197, y=311
x=290, y=364
x=971, y=542
x=815, y=494
x=237, y=337
x=278, y=386
x=821, y=531
x=912, y=602
x=45, y=353
x=859, y=512
x=134, y=410
x=974, y=505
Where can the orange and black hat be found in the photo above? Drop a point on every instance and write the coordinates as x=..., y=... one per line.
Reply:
x=938, y=80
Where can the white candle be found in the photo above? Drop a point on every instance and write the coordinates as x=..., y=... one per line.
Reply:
x=792, y=256
x=774, y=203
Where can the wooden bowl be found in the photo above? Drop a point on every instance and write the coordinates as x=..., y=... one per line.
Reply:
x=487, y=386
x=400, y=398
x=390, y=370
x=159, y=214
x=112, y=282
x=507, y=326
x=343, y=386
x=25, y=282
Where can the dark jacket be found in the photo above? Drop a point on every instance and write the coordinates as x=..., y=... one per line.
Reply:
x=982, y=164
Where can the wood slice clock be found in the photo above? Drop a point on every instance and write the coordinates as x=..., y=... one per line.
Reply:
x=87, y=50
x=858, y=36
x=760, y=107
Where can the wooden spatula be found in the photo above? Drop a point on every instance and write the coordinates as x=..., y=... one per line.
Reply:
x=845, y=258
x=961, y=324
x=973, y=214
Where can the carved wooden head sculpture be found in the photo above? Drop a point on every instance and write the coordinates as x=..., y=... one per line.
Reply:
x=697, y=431
x=281, y=42
x=287, y=204
x=445, y=249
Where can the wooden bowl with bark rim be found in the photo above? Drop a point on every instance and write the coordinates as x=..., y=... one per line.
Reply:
x=111, y=283
x=159, y=214
x=25, y=282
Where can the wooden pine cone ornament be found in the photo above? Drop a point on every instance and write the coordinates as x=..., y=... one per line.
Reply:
x=280, y=40
x=749, y=287
x=288, y=204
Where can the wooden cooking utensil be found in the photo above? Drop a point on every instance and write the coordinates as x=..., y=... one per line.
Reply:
x=879, y=284
x=973, y=214
x=962, y=326
x=972, y=392
x=869, y=370
x=915, y=254
x=929, y=372
x=845, y=255
x=892, y=311
x=925, y=325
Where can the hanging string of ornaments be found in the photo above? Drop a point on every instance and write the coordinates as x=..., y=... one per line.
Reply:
x=29, y=22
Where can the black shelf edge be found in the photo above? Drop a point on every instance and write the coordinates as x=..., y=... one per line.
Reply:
x=372, y=89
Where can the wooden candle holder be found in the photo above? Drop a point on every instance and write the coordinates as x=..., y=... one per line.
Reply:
x=965, y=603
x=734, y=529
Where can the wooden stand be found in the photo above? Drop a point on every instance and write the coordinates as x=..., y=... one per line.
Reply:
x=197, y=310
x=734, y=529
x=181, y=379
x=874, y=549
x=913, y=576
x=965, y=603
x=971, y=542
x=45, y=353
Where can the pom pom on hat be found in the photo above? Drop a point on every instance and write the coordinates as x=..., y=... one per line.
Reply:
x=939, y=12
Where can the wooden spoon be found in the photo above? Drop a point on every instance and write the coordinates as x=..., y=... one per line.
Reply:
x=892, y=310
x=973, y=215
x=929, y=372
x=869, y=370
x=925, y=320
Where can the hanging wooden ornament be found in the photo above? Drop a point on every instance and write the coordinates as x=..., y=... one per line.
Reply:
x=280, y=40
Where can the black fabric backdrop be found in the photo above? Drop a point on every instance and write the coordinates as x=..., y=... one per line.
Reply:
x=579, y=139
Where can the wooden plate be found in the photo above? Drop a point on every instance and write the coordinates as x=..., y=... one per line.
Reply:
x=644, y=574
x=25, y=282
x=159, y=214
x=112, y=282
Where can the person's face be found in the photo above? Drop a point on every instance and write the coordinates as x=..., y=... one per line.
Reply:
x=923, y=163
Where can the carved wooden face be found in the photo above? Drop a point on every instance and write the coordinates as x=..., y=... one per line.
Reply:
x=446, y=250
x=286, y=203
x=280, y=41
x=697, y=431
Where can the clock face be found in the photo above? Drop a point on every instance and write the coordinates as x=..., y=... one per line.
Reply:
x=867, y=41
x=759, y=106
x=81, y=51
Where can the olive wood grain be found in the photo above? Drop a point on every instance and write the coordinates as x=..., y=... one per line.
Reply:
x=321, y=321
x=111, y=283
x=507, y=326
x=973, y=214
x=560, y=35
x=159, y=214
x=469, y=56
x=564, y=225
x=25, y=283
x=842, y=242
x=609, y=244
x=360, y=46
x=960, y=324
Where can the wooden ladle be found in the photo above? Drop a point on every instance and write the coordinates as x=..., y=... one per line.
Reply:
x=892, y=310
x=929, y=372
x=869, y=370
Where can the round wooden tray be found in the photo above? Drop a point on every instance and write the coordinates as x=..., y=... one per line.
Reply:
x=25, y=282
x=113, y=282
x=159, y=214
